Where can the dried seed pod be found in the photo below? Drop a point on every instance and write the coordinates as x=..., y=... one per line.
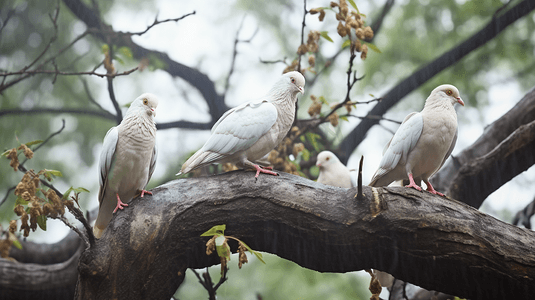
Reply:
x=312, y=60
x=342, y=31
x=360, y=33
x=14, y=163
x=333, y=119
x=13, y=226
x=27, y=151
x=322, y=15
x=210, y=246
x=368, y=32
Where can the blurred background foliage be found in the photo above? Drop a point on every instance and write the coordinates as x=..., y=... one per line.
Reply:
x=413, y=33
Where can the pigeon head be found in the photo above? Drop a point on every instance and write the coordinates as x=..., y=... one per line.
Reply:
x=292, y=82
x=448, y=91
x=145, y=103
x=326, y=158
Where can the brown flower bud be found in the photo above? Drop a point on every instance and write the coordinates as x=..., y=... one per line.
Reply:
x=12, y=226
x=19, y=210
x=210, y=246
x=333, y=4
x=364, y=52
x=358, y=46
x=360, y=33
x=314, y=11
x=312, y=60
x=298, y=147
x=14, y=163
x=368, y=32
x=302, y=49
x=342, y=31
x=322, y=15
x=333, y=119
x=27, y=151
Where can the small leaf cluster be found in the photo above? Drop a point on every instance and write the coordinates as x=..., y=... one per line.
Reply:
x=34, y=204
x=218, y=243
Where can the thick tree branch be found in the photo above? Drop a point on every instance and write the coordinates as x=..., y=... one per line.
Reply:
x=493, y=28
x=458, y=250
x=480, y=177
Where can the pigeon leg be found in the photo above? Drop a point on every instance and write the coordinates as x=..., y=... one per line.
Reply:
x=143, y=192
x=120, y=204
x=261, y=170
x=413, y=184
x=431, y=189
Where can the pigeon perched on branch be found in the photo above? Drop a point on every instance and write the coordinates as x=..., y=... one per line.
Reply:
x=247, y=132
x=127, y=160
x=422, y=143
x=332, y=171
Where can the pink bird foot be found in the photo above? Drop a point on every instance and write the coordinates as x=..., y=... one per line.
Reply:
x=431, y=189
x=413, y=184
x=259, y=170
x=143, y=192
x=120, y=204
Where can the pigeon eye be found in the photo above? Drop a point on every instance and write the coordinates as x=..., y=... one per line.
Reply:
x=449, y=92
x=293, y=80
x=145, y=101
x=327, y=158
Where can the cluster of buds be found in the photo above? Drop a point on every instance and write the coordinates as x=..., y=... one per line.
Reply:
x=349, y=20
x=36, y=207
x=13, y=155
x=279, y=156
x=315, y=107
x=333, y=119
x=292, y=67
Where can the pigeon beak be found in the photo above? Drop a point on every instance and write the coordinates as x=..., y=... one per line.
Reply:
x=460, y=101
x=301, y=90
x=153, y=112
x=318, y=164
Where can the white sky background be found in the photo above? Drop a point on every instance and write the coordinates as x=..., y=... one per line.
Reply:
x=205, y=41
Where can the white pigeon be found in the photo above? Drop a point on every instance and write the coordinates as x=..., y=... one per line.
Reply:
x=332, y=171
x=127, y=159
x=244, y=134
x=422, y=143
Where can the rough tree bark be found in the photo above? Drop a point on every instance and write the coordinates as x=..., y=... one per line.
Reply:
x=457, y=249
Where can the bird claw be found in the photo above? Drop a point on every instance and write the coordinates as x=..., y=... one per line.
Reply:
x=414, y=185
x=263, y=170
x=143, y=192
x=120, y=204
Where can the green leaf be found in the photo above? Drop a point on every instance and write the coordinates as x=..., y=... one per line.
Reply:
x=257, y=254
x=67, y=193
x=54, y=173
x=21, y=201
x=36, y=142
x=216, y=230
x=14, y=240
x=17, y=244
x=118, y=59
x=306, y=154
x=80, y=190
x=222, y=247
x=325, y=35
x=312, y=138
x=126, y=52
x=41, y=221
x=302, y=138
x=323, y=100
x=346, y=43
x=105, y=48
x=373, y=47
x=6, y=153
x=344, y=118
x=354, y=5
x=371, y=95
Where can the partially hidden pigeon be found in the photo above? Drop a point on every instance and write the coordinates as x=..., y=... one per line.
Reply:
x=332, y=171
x=244, y=134
x=422, y=143
x=127, y=160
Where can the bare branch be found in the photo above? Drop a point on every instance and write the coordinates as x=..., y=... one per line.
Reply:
x=101, y=114
x=156, y=22
x=57, y=72
x=303, y=25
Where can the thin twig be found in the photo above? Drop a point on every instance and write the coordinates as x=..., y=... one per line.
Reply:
x=303, y=25
x=273, y=61
x=7, y=195
x=57, y=72
x=156, y=22
x=235, y=52
x=101, y=114
x=89, y=96
x=47, y=139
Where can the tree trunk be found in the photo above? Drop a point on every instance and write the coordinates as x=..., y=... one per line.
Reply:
x=431, y=241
